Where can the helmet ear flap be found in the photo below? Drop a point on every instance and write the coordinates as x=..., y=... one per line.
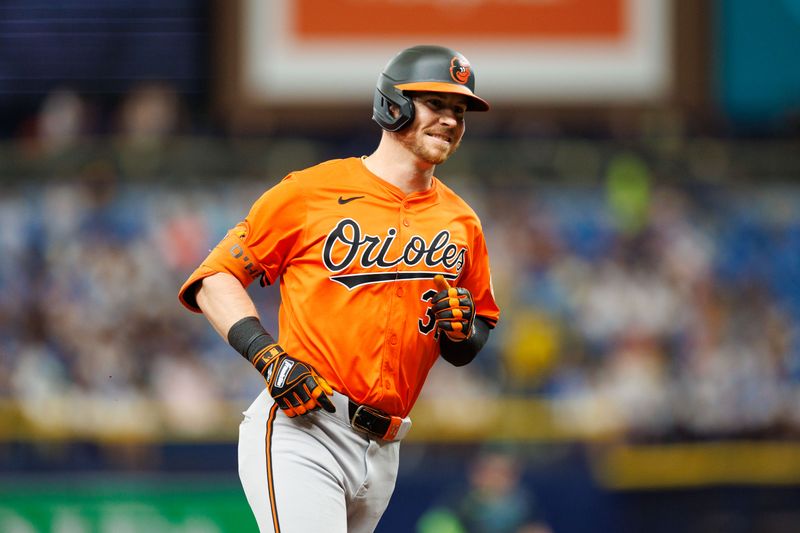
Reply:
x=385, y=96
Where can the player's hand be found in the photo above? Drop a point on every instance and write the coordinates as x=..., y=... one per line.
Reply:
x=295, y=386
x=454, y=310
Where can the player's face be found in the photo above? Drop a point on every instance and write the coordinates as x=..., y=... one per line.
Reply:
x=437, y=128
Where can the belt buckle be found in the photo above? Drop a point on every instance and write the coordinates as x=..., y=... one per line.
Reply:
x=391, y=431
x=355, y=419
x=355, y=416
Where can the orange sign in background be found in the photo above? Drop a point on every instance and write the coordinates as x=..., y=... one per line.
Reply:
x=475, y=19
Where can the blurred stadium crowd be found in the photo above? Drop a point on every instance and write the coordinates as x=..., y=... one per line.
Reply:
x=633, y=302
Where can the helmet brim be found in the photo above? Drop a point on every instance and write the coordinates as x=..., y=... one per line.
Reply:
x=474, y=103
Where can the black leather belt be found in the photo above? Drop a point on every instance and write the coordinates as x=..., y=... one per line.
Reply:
x=373, y=422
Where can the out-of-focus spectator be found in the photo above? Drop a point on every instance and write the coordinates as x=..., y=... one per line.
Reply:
x=493, y=501
x=149, y=117
x=62, y=121
x=56, y=136
x=150, y=113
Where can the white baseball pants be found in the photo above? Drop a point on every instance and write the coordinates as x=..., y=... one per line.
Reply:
x=313, y=472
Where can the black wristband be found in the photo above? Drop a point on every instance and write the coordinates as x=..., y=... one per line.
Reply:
x=248, y=337
x=463, y=352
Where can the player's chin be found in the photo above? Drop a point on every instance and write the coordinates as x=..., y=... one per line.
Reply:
x=438, y=155
x=436, y=160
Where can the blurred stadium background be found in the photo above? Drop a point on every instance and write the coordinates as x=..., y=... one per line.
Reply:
x=639, y=182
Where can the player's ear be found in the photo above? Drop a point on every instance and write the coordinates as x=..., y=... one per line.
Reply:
x=394, y=110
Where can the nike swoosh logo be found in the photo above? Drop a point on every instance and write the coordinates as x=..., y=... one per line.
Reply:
x=346, y=200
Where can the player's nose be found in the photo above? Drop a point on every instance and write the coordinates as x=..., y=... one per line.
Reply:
x=448, y=117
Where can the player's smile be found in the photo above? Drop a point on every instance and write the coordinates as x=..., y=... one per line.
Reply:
x=440, y=145
x=441, y=137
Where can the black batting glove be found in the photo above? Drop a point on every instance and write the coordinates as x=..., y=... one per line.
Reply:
x=295, y=386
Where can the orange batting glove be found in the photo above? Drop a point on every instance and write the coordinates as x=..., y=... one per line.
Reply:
x=295, y=386
x=454, y=310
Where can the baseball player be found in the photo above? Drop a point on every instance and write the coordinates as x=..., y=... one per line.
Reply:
x=382, y=269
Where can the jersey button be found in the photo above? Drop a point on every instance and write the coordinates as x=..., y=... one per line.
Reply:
x=400, y=291
x=405, y=205
x=393, y=339
x=406, y=223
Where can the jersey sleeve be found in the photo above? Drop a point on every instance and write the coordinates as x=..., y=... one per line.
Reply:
x=477, y=278
x=260, y=245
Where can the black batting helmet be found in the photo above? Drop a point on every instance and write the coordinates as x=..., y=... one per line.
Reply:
x=422, y=68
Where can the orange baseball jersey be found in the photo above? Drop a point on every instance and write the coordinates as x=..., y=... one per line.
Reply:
x=356, y=259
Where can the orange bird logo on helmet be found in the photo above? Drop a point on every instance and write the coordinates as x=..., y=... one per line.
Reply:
x=459, y=70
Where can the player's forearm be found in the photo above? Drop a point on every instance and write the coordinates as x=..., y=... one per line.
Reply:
x=463, y=352
x=224, y=302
